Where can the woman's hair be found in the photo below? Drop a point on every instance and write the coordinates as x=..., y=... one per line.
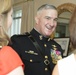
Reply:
x=5, y=7
x=72, y=29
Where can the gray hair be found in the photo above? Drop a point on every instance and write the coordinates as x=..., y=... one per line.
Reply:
x=45, y=7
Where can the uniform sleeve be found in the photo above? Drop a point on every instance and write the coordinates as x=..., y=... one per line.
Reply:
x=9, y=60
x=15, y=44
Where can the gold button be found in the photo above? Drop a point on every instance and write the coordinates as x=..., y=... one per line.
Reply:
x=46, y=56
x=45, y=45
x=30, y=60
x=46, y=69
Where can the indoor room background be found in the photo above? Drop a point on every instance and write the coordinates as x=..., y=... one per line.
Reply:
x=25, y=10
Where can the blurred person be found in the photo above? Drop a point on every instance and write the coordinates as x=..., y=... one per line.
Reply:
x=67, y=65
x=37, y=50
x=10, y=62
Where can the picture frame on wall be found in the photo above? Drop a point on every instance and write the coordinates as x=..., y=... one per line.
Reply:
x=64, y=43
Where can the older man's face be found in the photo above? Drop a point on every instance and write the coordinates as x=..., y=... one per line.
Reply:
x=46, y=22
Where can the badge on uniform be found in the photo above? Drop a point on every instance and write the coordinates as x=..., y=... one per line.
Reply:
x=31, y=52
x=55, y=54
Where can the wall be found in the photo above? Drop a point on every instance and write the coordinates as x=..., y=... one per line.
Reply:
x=37, y=3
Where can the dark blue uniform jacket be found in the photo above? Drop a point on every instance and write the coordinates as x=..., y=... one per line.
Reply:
x=32, y=59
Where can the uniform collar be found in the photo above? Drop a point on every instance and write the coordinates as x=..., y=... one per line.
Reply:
x=35, y=33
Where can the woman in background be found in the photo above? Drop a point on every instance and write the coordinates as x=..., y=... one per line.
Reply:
x=67, y=66
x=10, y=62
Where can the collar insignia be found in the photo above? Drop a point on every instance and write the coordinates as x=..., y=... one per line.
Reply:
x=40, y=36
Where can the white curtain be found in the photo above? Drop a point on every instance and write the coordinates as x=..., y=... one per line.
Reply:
x=27, y=16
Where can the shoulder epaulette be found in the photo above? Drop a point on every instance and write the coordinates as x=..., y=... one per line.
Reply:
x=26, y=33
x=23, y=34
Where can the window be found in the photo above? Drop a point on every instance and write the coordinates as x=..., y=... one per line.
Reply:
x=16, y=25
